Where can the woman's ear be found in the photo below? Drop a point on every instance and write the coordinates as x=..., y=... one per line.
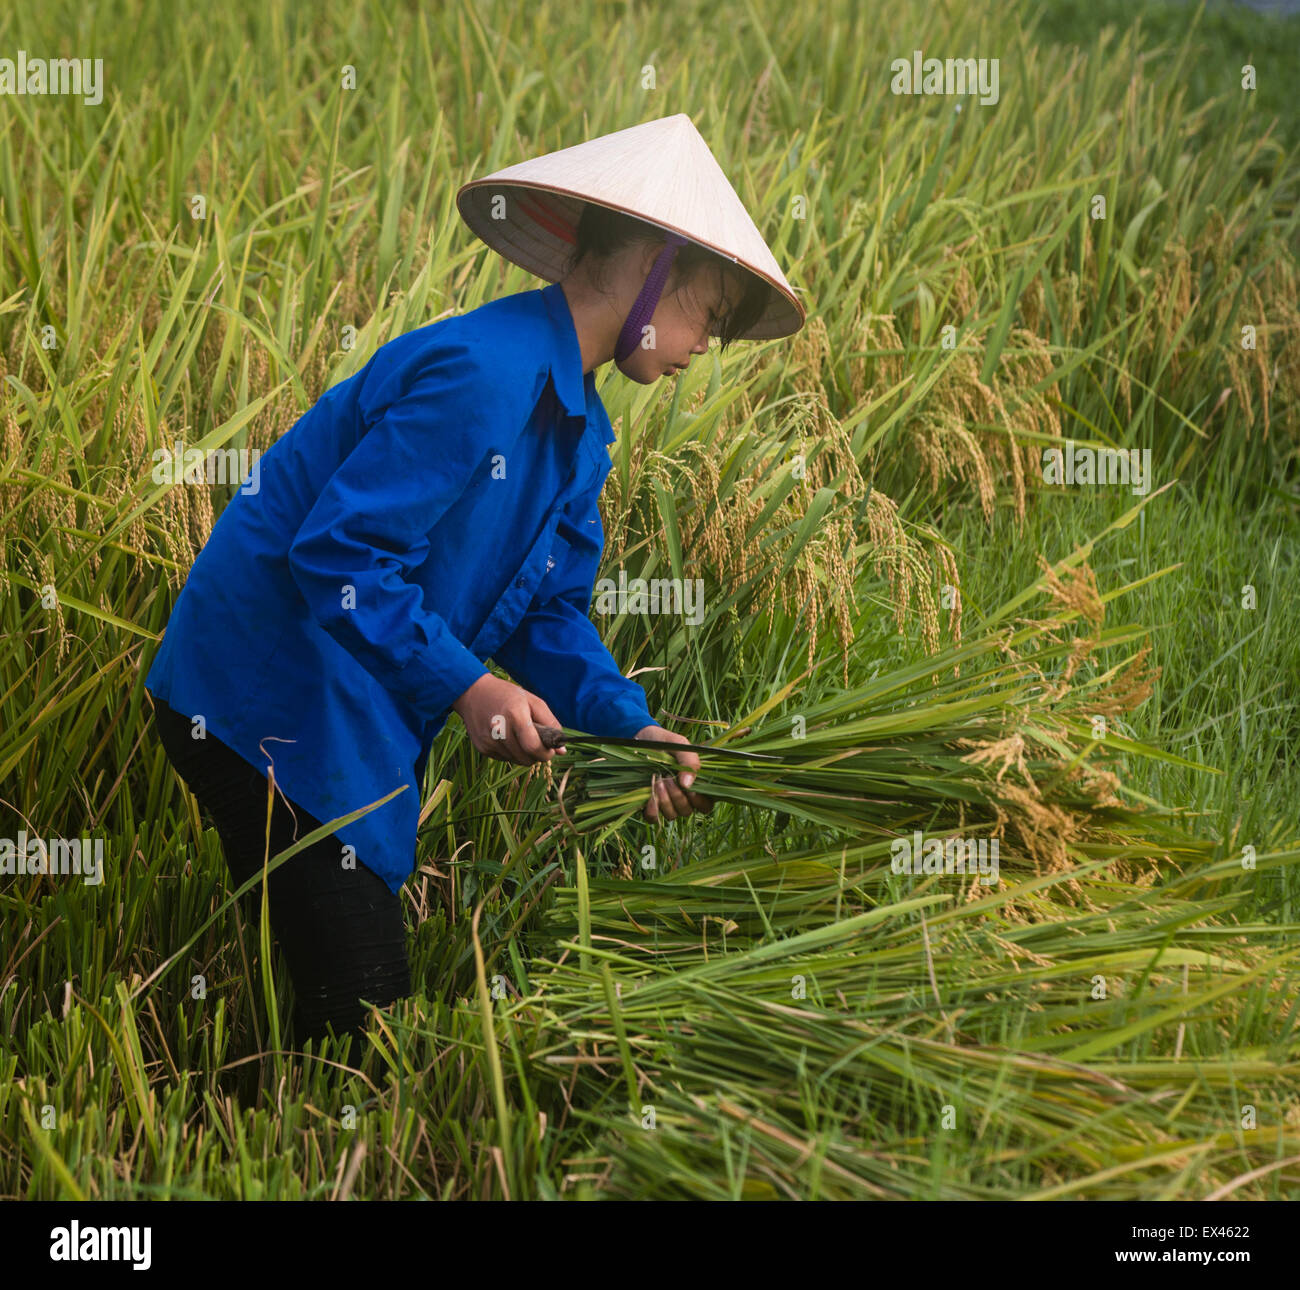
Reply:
x=649, y=254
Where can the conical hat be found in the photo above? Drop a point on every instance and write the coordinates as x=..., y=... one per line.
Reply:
x=661, y=172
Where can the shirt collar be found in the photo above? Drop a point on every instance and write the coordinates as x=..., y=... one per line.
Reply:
x=571, y=383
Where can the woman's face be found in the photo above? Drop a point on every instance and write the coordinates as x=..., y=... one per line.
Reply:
x=682, y=320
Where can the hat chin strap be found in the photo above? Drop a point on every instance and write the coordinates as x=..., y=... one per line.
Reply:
x=643, y=307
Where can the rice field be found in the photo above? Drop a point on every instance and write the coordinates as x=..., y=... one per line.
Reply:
x=926, y=632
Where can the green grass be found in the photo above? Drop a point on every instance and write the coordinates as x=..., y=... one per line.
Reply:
x=1224, y=697
x=1229, y=35
x=768, y=1011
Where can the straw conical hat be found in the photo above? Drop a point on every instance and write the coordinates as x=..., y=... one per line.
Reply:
x=661, y=172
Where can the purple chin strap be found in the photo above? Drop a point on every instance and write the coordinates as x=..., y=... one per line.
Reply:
x=644, y=306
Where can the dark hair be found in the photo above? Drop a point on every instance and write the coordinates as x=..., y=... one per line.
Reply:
x=603, y=232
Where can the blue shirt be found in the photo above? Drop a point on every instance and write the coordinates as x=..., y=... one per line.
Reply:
x=435, y=509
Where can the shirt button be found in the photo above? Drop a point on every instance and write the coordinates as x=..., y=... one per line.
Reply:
x=519, y=582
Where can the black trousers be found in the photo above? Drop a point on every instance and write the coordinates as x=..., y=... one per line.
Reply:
x=340, y=930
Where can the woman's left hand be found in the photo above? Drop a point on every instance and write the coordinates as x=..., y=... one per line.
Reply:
x=669, y=796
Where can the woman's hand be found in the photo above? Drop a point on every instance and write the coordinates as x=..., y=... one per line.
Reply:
x=501, y=719
x=669, y=795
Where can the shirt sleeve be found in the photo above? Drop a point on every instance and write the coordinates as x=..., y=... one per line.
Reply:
x=557, y=653
x=368, y=530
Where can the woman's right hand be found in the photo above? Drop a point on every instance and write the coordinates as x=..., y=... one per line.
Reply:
x=501, y=719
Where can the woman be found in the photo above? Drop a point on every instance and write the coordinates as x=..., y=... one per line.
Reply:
x=438, y=508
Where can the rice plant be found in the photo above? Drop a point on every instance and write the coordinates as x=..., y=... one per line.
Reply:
x=920, y=633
